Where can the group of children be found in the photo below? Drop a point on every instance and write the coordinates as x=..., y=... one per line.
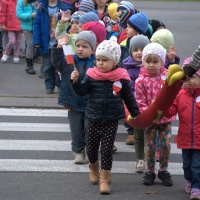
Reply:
x=120, y=56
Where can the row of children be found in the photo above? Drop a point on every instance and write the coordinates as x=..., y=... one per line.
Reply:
x=130, y=26
x=149, y=72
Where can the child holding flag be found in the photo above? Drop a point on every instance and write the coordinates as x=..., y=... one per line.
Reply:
x=107, y=86
x=83, y=59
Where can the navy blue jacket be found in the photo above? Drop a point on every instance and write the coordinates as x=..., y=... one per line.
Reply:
x=67, y=96
x=41, y=30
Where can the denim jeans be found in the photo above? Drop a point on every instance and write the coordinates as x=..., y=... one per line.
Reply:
x=130, y=129
x=191, y=166
x=78, y=125
x=49, y=71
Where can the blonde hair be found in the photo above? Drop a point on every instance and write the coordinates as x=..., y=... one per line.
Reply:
x=152, y=57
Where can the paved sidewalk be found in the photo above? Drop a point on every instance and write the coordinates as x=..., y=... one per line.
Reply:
x=19, y=89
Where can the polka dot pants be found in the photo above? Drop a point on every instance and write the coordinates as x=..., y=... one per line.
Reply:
x=103, y=133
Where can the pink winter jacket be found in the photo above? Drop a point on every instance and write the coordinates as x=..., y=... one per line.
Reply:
x=186, y=105
x=147, y=87
x=8, y=16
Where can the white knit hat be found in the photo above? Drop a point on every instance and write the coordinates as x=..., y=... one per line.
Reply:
x=110, y=49
x=155, y=49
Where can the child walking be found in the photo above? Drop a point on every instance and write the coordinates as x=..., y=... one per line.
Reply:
x=84, y=58
x=107, y=86
x=147, y=87
x=11, y=24
x=186, y=105
x=133, y=64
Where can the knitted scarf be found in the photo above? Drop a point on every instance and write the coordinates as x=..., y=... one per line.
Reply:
x=115, y=75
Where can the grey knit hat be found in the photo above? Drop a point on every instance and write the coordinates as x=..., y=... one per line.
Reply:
x=138, y=41
x=88, y=36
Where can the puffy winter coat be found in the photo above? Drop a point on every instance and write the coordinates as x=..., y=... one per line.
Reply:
x=24, y=14
x=147, y=87
x=104, y=106
x=67, y=96
x=8, y=16
x=41, y=31
x=189, y=121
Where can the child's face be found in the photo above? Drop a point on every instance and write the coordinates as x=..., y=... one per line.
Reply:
x=104, y=64
x=130, y=31
x=193, y=82
x=83, y=49
x=75, y=26
x=152, y=64
x=100, y=2
x=137, y=54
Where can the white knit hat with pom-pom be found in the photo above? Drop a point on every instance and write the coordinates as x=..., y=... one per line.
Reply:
x=109, y=49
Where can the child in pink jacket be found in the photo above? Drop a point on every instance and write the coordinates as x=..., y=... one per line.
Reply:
x=11, y=24
x=187, y=105
x=147, y=86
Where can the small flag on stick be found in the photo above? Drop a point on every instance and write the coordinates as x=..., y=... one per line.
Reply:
x=68, y=54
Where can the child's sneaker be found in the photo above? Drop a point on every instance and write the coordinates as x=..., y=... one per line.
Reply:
x=165, y=177
x=79, y=158
x=4, y=58
x=149, y=178
x=188, y=187
x=15, y=60
x=195, y=194
x=114, y=149
x=140, y=166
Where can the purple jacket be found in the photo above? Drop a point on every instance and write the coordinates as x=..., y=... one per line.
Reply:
x=133, y=68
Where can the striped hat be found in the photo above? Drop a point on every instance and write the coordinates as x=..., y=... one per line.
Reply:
x=86, y=6
x=125, y=5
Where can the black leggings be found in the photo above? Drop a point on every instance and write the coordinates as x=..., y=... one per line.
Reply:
x=104, y=133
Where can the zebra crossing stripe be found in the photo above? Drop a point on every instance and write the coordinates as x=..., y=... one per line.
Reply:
x=49, y=127
x=21, y=165
x=54, y=145
x=34, y=112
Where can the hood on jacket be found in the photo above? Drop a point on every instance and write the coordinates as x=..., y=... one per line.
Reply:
x=130, y=62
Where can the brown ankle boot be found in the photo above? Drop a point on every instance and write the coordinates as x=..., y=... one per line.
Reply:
x=94, y=172
x=105, y=181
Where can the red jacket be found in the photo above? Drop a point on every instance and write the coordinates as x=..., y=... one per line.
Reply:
x=189, y=118
x=8, y=16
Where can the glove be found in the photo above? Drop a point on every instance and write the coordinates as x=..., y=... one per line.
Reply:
x=174, y=74
x=130, y=117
